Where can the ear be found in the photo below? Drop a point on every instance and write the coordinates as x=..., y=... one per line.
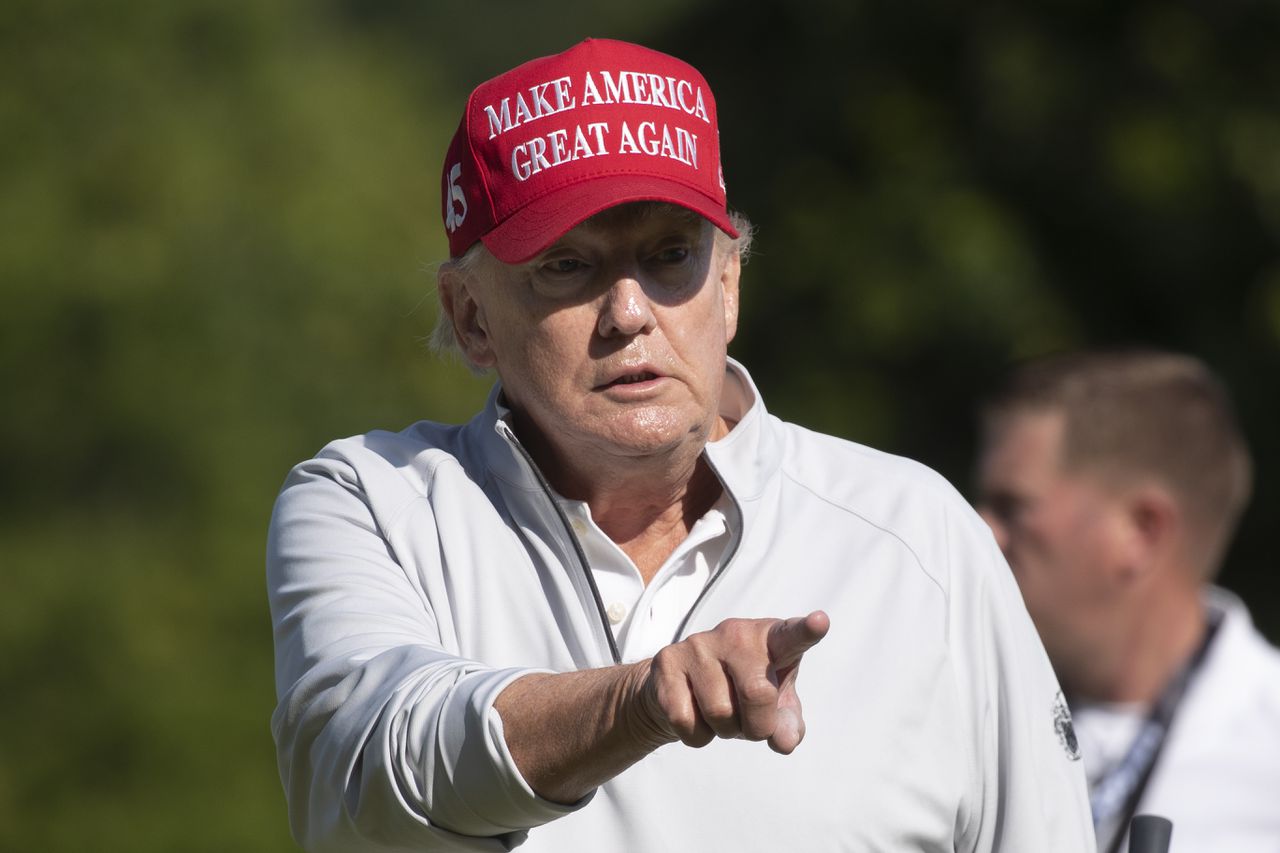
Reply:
x=466, y=315
x=1154, y=526
x=729, y=289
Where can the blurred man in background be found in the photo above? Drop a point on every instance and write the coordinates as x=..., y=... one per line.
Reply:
x=1113, y=482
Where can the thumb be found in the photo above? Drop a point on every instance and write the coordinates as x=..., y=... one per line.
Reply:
x=789, y=639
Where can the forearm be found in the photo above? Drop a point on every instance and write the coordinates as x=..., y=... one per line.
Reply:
x=570, y=732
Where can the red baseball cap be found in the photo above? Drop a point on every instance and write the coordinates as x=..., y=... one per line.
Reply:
x=559, y=139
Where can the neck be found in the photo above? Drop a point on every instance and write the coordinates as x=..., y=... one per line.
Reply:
x=1155, y=641
x=645, y=504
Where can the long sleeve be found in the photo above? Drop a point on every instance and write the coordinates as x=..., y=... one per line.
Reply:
x=386, y=738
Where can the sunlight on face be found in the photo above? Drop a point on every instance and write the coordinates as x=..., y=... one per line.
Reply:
x=613, y=341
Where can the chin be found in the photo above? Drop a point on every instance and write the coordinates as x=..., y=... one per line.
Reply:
x=650, y=442
x=652, y=426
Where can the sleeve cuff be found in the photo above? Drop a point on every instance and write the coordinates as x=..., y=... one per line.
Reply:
x=485, y=774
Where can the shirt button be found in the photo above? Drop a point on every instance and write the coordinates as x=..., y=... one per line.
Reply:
x=616, y=612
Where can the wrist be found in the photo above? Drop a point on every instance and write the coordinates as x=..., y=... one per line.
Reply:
x=639, y=712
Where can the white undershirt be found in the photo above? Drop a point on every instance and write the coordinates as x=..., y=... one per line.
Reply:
x=1105, y=733
x=644, y=619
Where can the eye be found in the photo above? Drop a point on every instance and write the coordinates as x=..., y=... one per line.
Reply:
x=1009, y=509
x=562, y=266
x=560, y=274
x=672, y=255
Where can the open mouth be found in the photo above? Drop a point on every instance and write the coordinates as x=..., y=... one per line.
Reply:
x=632, y=379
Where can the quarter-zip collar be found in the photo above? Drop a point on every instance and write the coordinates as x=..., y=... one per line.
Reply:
x=747, y=459
x=744, y=460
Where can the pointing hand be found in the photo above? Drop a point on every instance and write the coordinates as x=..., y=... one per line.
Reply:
x=737, y=680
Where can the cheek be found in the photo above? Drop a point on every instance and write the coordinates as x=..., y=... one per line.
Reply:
x=1071, y=562
x=704, y=333
x=542, y=360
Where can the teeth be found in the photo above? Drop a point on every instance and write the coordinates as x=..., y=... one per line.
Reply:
x=629, y=378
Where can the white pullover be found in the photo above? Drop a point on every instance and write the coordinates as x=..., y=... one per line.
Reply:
x=413, y=575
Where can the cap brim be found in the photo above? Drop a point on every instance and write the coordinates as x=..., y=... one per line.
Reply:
x=536, y=226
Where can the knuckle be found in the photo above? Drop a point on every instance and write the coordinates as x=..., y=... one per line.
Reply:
x=668, y=663
x=691, y=648
x=662, y=660
x=681, y=720
x=736, y=630
x=758, y=692
x=718, y=711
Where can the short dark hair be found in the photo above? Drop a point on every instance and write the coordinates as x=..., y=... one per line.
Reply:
x=1134, y=413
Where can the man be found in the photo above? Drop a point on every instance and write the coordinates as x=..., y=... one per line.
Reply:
x=495, y=634
x=1113, y=482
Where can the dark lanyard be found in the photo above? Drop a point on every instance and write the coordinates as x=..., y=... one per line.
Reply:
x=1120, y=790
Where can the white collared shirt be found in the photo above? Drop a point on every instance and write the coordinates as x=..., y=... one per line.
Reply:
x=646, y=618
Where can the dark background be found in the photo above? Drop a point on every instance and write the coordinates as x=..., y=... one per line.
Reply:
x=217, y=231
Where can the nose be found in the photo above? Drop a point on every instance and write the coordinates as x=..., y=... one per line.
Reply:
x=626, y=309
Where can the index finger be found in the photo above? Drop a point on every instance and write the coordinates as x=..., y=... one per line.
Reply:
x=789, y=639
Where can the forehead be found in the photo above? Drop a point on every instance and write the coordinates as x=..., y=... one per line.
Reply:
x=1024, y=443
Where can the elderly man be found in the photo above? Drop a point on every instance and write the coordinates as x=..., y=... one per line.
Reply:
x=1113, y=481
x=495, y=634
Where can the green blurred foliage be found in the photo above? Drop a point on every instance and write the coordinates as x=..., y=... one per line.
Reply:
x=217, y=228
